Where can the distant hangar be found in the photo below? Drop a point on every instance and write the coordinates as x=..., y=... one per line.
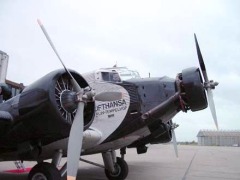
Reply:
x=218, y=138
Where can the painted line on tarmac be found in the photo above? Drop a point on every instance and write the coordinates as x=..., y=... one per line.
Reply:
x=186, y=173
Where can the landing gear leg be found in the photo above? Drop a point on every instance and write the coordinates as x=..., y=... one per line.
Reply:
x=123, y=152
x=57, y=157
x=115, y=168
x=47, y=171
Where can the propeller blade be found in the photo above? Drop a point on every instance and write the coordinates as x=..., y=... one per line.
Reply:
x=108, y=96
x=175, y=143
x=75, y=138
x=200, y=59
x=75, y=143
x=209, y=85
x=212, y=106
x=53, y=47
x=76, y=132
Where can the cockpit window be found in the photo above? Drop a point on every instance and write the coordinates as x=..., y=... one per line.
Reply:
x=116, y=74
x=110, y=76
x=126, y=74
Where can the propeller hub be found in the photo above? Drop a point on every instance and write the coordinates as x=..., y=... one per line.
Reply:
x=174, y=126
x=68, y=100
x=211, y=84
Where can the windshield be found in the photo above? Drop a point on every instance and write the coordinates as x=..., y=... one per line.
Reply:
x=128, y=74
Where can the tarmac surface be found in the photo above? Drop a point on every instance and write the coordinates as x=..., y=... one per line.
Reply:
x=160, y=163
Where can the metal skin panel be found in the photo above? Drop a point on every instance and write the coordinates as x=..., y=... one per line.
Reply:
x=155, y=91
x=115, y=133
x=124, y=132
x=109, y=115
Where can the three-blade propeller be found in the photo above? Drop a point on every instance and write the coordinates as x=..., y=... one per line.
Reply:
x=208, y=85
x=76, y=132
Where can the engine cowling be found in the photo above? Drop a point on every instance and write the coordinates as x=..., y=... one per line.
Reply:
x=44, y=110
x=192, y=89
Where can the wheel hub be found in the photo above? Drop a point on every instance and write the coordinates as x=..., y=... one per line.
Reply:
x=39, y=176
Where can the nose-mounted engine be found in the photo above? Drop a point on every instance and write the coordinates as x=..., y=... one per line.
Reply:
x=47, y=108
x=67, y=99
x=192, y=88
x=192, y=92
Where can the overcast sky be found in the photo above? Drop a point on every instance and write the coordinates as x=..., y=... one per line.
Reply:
x=148, y=36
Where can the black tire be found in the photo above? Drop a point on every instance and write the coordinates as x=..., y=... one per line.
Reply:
x=44, y=171
x=122, y=172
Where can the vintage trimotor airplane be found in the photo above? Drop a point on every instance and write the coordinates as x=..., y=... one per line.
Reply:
x=65, y=114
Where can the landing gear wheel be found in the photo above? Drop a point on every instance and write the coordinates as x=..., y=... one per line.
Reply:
x=44, y=171
x=121, y=173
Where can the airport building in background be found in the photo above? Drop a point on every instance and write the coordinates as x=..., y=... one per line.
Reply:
x=218, y=138
x=16, y=88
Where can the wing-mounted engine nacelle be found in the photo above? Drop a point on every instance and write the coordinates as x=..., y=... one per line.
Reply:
x=192, y=90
